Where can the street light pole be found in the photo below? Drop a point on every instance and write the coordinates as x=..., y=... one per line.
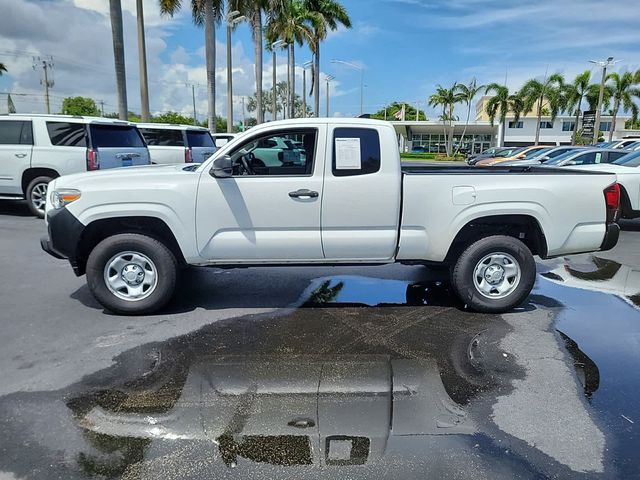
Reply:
x=604, y=64
x=357, y=67
x=232, y=20
x=304, y=87
x=274, y=105
x=329, y=78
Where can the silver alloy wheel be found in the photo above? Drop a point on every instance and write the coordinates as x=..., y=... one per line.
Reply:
x=39, y=195
x=131, y=276
x=497, y=275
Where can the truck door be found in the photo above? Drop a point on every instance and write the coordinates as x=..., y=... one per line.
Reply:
x=362, y=189
x=264, y=212
x=16, y=145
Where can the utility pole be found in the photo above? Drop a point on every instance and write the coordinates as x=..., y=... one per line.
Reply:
x=604, y=64
x=101, y=102
x=193, y=96
x=233, y=18
x=304, y=86
x=329, y=78
x=142, y=59
x=46, y=64
x=274, y=113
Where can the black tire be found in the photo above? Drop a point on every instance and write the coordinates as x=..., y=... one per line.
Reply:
x=34, y=187
x=462, y=276
x=165, y=263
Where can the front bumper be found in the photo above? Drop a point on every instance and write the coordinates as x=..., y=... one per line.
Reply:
x=64, y=231
x=610, y=237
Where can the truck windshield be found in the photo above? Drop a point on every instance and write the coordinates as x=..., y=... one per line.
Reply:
x=109, y=136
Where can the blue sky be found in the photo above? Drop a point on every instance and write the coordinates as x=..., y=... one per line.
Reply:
x=406, y=47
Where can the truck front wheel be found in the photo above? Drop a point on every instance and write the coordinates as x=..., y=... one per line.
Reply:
x=494, y=274
x=132, y=274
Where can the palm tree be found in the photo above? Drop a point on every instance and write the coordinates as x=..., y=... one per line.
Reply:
x=466, y=94
x=623, y=89
x=593, y=92
x=252, y=10
x=331, y=14
x=209, y=13
x=115, y=12
x=536, y=93
x=292, y=23
x=446, y=98
x=574, y=95
x=3, y=69
x=498, y=105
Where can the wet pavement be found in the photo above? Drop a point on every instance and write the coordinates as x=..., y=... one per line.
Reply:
x=373, y=372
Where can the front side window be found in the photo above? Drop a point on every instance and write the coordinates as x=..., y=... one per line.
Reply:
x=289, y=152
x=108, y=136
x=163, y=137
x=587, y=159
x=356, y=151
x=613, y=156
x=65, y=134
x=629, y=160
x=15, y=132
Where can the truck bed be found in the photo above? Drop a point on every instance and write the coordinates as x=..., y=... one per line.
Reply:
x=464, y=169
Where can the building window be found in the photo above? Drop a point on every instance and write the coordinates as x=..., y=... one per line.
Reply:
x=518, y=124
x=605, y=126
x=568, y=126
x=546, y=124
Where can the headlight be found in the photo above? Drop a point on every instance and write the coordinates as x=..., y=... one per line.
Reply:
x=62, y=197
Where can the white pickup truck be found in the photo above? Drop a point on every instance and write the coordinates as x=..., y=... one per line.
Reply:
x=348, y=201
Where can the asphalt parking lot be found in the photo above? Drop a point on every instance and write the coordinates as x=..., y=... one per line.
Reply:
x=318, y=373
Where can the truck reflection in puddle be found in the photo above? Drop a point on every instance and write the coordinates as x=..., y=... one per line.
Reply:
x=600, y=275
x=299, y=410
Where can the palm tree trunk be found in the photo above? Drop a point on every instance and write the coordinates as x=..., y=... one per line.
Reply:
x=142, y=59
x=210, y=53
x=616, y=106
x=115, y=11
x=292, y=82
x=257, y=44
x=464, y=131
x=575, y=128
x=316, y=92
x=538, y=124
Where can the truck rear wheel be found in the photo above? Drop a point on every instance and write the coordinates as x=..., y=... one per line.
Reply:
x=132, y=274
x=494, y=274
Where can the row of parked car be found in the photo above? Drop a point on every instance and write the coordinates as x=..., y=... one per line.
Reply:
x=34, y=149
x=621, y=157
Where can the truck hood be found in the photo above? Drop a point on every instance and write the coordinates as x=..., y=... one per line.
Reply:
x=125, y=174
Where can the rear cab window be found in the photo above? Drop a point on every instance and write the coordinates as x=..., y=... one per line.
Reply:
x=66, y=134
x=196, y=138
x=163, y=137
x=356, y=151
x=114, y=136
x=16, y=132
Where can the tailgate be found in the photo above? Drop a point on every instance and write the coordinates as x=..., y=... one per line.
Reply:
x=118, y=146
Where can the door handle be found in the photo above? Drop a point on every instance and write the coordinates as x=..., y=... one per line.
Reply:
x=20, y=155
x=303, y=192
x=302, y=423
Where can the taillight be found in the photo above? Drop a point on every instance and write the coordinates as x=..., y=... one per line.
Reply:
x=92, y=159
x=187, y=155
x=612, y=202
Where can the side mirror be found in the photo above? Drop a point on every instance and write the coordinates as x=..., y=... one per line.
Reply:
x=222, y=167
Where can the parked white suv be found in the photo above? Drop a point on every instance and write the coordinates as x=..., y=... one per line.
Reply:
x=177, y=143
x=35, y=149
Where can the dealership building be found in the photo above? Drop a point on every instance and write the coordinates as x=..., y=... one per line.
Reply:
x=480, y=134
